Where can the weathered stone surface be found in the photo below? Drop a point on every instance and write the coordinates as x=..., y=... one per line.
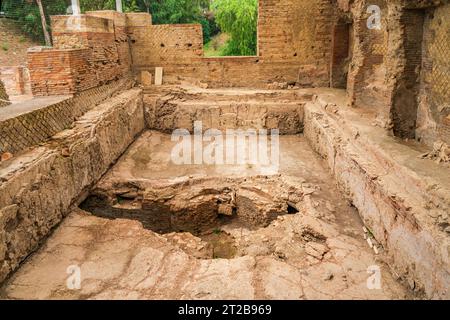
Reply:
x=29, y=123
x=227, y=109
x=38, y=188
x=403, y=199
x=118, y=259
x=146, y=78
x=158, y=76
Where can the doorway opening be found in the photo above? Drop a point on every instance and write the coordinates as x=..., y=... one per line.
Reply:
x=405, y=104
x=341, y=54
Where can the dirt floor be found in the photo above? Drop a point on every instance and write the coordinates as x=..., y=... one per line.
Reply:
x=13, y=44
x=311, y=246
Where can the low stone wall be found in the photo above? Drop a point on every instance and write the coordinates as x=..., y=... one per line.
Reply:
x=38, y=189
x=282, y=110
x=249, y=72
x=403, y=201
x=36, y=126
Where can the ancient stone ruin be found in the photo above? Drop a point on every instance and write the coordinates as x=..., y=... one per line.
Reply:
x=93, y=205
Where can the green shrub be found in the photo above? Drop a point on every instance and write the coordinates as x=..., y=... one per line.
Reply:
x=5, y=46
x=238, y=18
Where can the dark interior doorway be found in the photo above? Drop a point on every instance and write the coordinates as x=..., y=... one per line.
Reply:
x=341, y=54
x=405, y=103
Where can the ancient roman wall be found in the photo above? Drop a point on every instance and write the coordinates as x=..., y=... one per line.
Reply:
x=433, y=119
x=88, y=50
x=402, y=74
x=166, y=44
x=22, y=130
x=294, y=39
x=37, y=189
x=120, y=36
x=366, y=80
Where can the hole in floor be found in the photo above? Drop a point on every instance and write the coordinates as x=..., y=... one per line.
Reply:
x=193, y=219
x=291, y=209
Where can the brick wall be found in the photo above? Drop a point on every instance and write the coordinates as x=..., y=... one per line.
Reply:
x=51, y=70
x=166, y=44
x=433, y=121
x=32, y=128
x=294, y=38
x=400, y=71
x=89, y=50
x=120, y=22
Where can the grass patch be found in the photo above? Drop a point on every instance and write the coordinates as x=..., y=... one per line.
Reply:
x=5, y=46
x=217, y=46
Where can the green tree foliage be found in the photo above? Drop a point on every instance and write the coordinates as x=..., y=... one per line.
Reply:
x=91, y=5
x=26, y=12
x=163, y=12
x=177, y=11
x=239, y=19
x=182, y=11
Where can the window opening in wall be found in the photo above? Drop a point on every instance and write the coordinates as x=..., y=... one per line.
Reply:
x=236, y=34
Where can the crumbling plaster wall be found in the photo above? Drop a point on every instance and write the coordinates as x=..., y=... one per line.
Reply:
x=433, y=118
x=294, y=45
x=400, y=71
x=366, y=80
